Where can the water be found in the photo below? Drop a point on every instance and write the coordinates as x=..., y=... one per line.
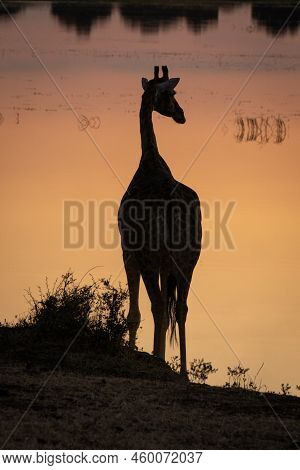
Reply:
x=244, y=143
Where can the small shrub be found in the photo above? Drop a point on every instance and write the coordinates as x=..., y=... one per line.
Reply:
x=174, y=363
x=237, y=377
x=285, y=389
x=199, y=369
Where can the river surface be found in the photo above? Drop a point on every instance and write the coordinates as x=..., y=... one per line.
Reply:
x=70, y=88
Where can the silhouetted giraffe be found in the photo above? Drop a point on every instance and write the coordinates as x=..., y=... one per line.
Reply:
x=160, y=226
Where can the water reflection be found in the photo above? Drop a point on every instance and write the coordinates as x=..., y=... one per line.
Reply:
x=262, y=130
x=81, y=16
x=151, y=18
x=272, y=17
x=92, y=122
x=12, y=8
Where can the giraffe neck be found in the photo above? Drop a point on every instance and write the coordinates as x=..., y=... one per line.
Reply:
x=149, y=144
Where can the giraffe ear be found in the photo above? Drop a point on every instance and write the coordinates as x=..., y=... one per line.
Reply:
x=174, y=82
x=144, y=83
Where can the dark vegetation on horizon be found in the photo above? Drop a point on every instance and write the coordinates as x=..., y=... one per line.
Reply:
x=151, y=16
x=96, y=310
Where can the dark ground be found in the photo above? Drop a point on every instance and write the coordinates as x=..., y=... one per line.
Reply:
x=133, y=401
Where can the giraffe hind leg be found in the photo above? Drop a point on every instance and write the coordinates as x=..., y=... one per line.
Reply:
x=151, y=281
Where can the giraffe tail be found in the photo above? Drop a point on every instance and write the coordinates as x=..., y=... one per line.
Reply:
x=171, y=305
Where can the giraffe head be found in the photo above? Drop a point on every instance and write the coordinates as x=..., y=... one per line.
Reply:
x=165, y=102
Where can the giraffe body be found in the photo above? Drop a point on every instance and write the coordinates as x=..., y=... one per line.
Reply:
x=160, y=226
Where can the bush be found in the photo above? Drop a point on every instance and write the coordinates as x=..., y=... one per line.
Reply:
x=109, y=319
x=174, y=363
x=96, y=310
x=285, y=389
x=239, y=378
x=199, y=369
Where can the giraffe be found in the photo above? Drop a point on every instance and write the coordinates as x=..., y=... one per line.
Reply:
x=160, y=227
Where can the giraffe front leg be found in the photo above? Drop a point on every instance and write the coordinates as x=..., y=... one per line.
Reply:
x=134, y=315
x=133, y=321
x=164, y=314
